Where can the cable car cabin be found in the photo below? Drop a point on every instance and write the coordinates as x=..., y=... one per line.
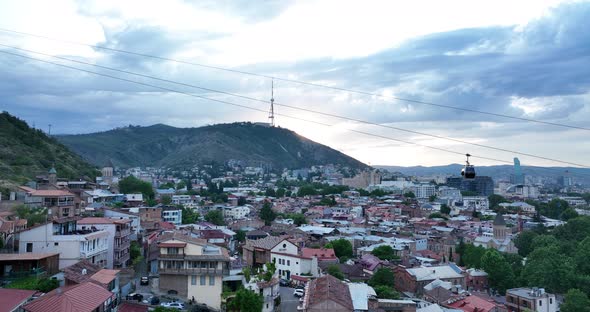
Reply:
x=468, y=172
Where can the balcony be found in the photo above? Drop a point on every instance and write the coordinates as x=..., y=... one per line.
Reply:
x=123, y=233
x=125, y=244
x=89, y=253
x=122, y=260
x=179, y=256
x=194, y=271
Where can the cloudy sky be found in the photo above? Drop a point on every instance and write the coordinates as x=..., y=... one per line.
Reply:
x=529, y=59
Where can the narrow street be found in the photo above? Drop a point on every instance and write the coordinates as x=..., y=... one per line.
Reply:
x=289, y=302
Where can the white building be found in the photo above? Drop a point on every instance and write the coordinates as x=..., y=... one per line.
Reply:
x=533, y=299
x=184, y=199
x=423, y=190
x=478, y=203
x=172, y=216
x=119, y=244
x=270, y=290
x=71, y=244
x=289, y=261
x=236, y=212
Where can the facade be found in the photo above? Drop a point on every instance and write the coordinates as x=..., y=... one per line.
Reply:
x=135, y=225
x=28, y=264
x=236, y=213
x=423, y=191
x=60, y=202
x=482, y=185
x=477, y=203
x=533, y=299
x=173, y=216
x=119, y=231
x=63, y=238
x=414, y=279
x=501, y=239
x=191, y=268
x=257, y=252
x=290, y=260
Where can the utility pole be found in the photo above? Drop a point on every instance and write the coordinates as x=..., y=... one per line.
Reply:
x=271, y=114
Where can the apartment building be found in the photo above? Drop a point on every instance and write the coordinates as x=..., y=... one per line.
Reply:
x=119, y=231
x=290, y=260
x=173, y=216
x=63, y=237
x=191, y=268
x=236, y=213
x=59, y=201
x=533, y=299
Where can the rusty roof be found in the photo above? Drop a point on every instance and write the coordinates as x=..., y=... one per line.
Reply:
x=329, y=288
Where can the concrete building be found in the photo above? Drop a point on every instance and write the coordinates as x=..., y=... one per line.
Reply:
x=60, y=202
x=290, y=261
x=423, y=191
x=477, y=203
x=236, y=213
x=533, y=299
x=191, y=268
x=118, y=239
x=173, y=216
x=62, y=237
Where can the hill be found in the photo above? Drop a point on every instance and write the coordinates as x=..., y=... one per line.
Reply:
x=26, y=152
x=162, y=145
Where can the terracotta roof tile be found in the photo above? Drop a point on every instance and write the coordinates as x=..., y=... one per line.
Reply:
x=11, y=298
x=84, y=297
x=329, y=288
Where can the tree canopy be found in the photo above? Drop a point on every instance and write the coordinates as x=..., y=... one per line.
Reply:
x=384, y=252
x=267, y=214
x=335, y=271
x=384, y=277
x=246, y=301
x=131, y=184
x=342, y=248
x=215, y=217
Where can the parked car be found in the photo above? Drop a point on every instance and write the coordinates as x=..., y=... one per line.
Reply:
x=144, y=280
x=284, y=282
x=134, y=296
x=298, y=292
x=152, y=300
x=173, y=305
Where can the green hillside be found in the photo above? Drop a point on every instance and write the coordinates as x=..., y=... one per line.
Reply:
x=162, y=145
x=27, y=152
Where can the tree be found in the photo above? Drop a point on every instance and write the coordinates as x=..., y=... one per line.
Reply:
x=215, y=217
x=189, y=216
x=131, y=184
x=241, y=201
x=246, y=301
x=386, y=292
x=581, y=256
x=575, y=301
x=500, y=274
x=299, y=219
x=410, y=194
x=134, y=251
x=524, y=242
x=342, y=248
x=241, y=236
x=385, y=252
x=181, y=185
x=267, y=214
x=383, y=276
x=33, y=215
x=280, y=192
x=544, y=241
x=166, y=200
x=445, y=209
x=495, y=200
x=471, y=256
x=306, y=190
x=431, y=198
x=569, y=213
x=546, y=266
x=334, y=270
x=436, y=215
x=270, y=192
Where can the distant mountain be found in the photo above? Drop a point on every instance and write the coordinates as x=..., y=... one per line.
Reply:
x=162, y=145
x=580, y=175
x=26, y=152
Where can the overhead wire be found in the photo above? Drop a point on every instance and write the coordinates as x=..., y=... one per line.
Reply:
x=295, y=107
x=312, y=84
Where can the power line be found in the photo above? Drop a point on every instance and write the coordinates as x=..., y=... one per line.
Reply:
x=248, y=107
x=298, y=108
x=242, y=72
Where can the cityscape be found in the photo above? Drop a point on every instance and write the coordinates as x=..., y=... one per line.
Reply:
x=355, y=184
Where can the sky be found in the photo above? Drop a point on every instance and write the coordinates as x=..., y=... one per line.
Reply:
x=528, y=59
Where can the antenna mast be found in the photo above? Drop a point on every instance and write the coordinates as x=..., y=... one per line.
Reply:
x=271, y=114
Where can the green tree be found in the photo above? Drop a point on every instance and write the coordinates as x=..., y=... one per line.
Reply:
x=242, y=201
x=500, y=274
x=189, y=216
x=134, y=250
x=34, y=216
x=166, y=200
x=383, y=276
x=131, y=184
x=280, y=192
x=436, y=215
x=270, y=192
x=241, y=236
x=575, y=301
x=342, y=248
x=581, y=256
x=385, y=252
x=544, y=241
x=445, y=209
x=471, y=256
x=496, y=200
x=299, y=219
x=524, y=242
x=215, y=217
x=410, y=194
x=431, y=198
x=386, y=292
x=181, y=185
x=306, y=190
x=246, y=301
x=569, y=213
x=547, y=267
x=267, y=214
x=334, y=270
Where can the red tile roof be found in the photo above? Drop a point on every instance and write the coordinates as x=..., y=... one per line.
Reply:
x=132, y=307
x=84, y=297
x=26, y=256
x=12, y=298
x=46, y=193
x=472, y=304
x=328, y=288
x=321, y=254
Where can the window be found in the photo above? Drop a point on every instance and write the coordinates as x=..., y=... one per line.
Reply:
x=29, y=247
x=550, y=300
x=540, y=303
x=284, y=245
x=211, y=280
x=288, y=262
x=194, y=280
x=203, y=280
x=56, y=244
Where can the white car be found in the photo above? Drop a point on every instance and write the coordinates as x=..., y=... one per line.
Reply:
x=298, y=292
x=173, y=305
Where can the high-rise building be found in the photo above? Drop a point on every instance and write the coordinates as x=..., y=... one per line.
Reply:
x=517, y=177
x=566, y=180
x=481, y=185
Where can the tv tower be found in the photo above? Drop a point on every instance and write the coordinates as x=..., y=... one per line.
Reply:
x=271, y=114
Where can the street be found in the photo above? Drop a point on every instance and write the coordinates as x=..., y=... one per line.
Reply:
x=289, y=302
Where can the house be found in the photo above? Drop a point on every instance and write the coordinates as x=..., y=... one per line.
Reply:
x=61, y=236
x=134, y=200
x=327, y=293
x=150, y=218
x=59, y=201
x=11, y=300
x=85, y=271
x=413, y=280
x=9, y=225
x=501, y=239
x=257, y=252
x=135, y=225
x=256, y=234
x=191, y=268
x=289, y=259
x=323, y=254
x=172, y=215
x=361, y=293
x=476, y=280
x=236, y=212
x=28, y=264
x=85, y=297
x=471, y=303
x=534, y=299
x=119, y=243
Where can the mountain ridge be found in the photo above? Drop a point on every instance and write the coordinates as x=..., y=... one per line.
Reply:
x=164, y=145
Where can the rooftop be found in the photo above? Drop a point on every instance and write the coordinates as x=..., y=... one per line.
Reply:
x=434, y=272
x=329, y=288
x=12, y=298
x=85, y=297
x=26, y=256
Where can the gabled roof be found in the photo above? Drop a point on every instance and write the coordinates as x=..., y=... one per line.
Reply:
x=85, y=297
x=434, y=272
x=11, y=298
x=329, y=288
x=266, y=243
x=320, y=253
